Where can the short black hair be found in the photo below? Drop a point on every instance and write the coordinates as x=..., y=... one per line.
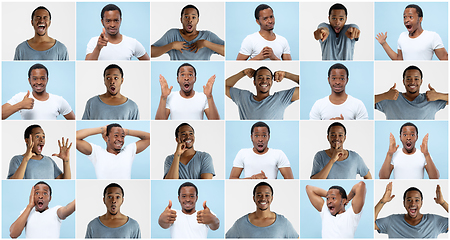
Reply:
x=110, y=7
x=38, y=8
x=111, y=185
x=29, y=129
x=412, y=189
x=181, y=125
x=184, y=65
x=260, y=8
x=338, y=66
x=110, y=126
x=42, y=182
x=37, y=66
x=260, y=124
x=111, y=66
x=337, y=6
x=409, y=124
x=261, y=68
x=262, y=184
x=341, y=191
x=418, y=9
x=336, y=124
x=188, y=184
x=190, y=6
x=412, y=67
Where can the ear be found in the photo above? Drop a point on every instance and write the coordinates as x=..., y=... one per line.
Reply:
x=104, y=200
x=105, y=138
x=257, y=22
x=181, y=19
x=345, y=137
x=49, y=23
x=29, y=81
x=329, y=18
x=50, y=198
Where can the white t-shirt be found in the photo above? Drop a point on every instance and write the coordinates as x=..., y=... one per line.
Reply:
x=43, y=225
x=408, y=166
x=42, y=110
x=186, y=226
x=351, y=109
x=186, y=108
x=111, y=166
x=124, y=50
x=340, y=226
x=421, y=47
x=254, y=43
x=268, y=162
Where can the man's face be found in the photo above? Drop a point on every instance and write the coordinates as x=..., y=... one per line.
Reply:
x=189, y=19
x=411, y=19
x=263, y=198
x=260, y=138
x=413, y=203
x=263, y=81
x=113, y=81
x=188, y=197
x=41, y=22
x=408, y=138
x=186, y=78
x=38, y=80
x=186, y=135
x=336, y=135
x=338, y=80
x=266, y=19
x=113, y=199
x=412, y=81
x=337, y=19
x=111, y=21
x=116, y=139
x=38, y=137
x=335, y=203
x=41, y=197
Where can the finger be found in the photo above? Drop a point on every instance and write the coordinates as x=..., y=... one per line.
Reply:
x=28, y=94
x=204, y=205
x=59, y=144
x=69, y=147
x=170, y=89
x=170, y=204
x=342, y=117
x=395, y=84
x=429, y=86
x=67, y=141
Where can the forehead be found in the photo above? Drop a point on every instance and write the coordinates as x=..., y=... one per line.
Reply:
x=263, y=189
x=338, y=72
x=412, y=72
x=190, y=11
x=37, y=130
x=412, y=194
x=338, y=129
x=41, y=13
x=333, y=193
x=38, y=72
x=185, y=128
x=188, y=190
x=410, y=11
x=263, y=72
x=113, y=14
x=117, y=130
x=408, y=129
x=338, y=12
x=260, y=130
x=41, y=187
x=112, y=71
x=185, y=69
x=265, y=12
x=114, y=190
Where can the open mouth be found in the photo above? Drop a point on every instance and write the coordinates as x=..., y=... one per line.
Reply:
x=41, y=27
x=186, y=86
x=408, y=26
x=337, y=29
x=189, y=27
x=112, y=88
x=40, y=147
x=40, y=204
x=412, y=211
x=118, y=144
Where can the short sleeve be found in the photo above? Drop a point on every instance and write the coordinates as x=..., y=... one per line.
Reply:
x=167, y=164
x=14, y=165
x=286, y=96
x=91, y=45
x=362, y=112
x=17, y=98
x=286, y=48
x=363, y=170
x=237, y=94
x=233, y=232
x=87, y=111
x=89, y=231
x=164, y=40
x=283, y=161
x=215, y=39
x=290, y=231
x=437, y=41
x=137, y=232
x=315, y=112
x=207, y=165
x=239, y=159
x=63, y=54
x=317, y=164
x=379, y=106
x=441, y=223
x=139, y=50
x=17, y=55
x=56, y=170
x=382, y=224
x=64, y=107
x=246, y=47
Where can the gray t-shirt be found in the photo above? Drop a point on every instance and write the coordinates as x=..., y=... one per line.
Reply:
x=203, y=54
x=346, y=169
x=270, y=108
x=96, y=109
x=96, y=229
x=45, y=168
x=417, y=109
x=243, y=228
x=337, y=48
x=200, y=163
x=57, y=52
x=396, y=226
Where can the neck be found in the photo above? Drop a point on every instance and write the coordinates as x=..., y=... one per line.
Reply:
x=407, y=153
x=42, y=96
x=416, y=32
x=266, y=32
x=39, y=38
x=113, y=151
x=411, y=96
x=260, y=153
x=189, y=152
x=263, y=214
x=110, y=216
x=109, y=95
x=114, y=38
x=261, y=96
x=188, y=212
x=187, y=94
x=413, y=221
x=189, y=34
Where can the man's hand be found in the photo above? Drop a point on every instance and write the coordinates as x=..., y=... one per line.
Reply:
x=338, y=152
x=381, y=37
x=261, y=175
x=27, y=102
x=102, y=40
x=207, y=89
x=197, y=45
x=169, y=216
x=352, y=33
x=431, y=94
x=392, y=94
x=279, y=75
x=392, y=147
x=338, y=118
x=205, y=216
x=31, y=202
x=64, y=150
x=165, y=90
x=266, y=52
x=424, y=146
x=439, y=199
x=387, y=197
x=321, y=33
x=249, y=72
x=181, y=147
x=29, y=153
x=180, y=46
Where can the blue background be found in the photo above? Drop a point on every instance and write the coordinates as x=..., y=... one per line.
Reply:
x=241, y=22
x=389, y=18
x=141, y=163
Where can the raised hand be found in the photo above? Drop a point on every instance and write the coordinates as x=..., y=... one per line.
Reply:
x=181, y=147
x=392, y=147
x=29, y=153
x=102, y=40
x=279, y=75
x=431, y=94
x=207, y=89
x=165, y=90
x=392, y=94
x=424, y=145
x=352, y=33
x=27, y=102
x=205, y=216
x=64, y=150
x=439, y=199
x=249, y=72
x=169, y=216
x=31, y=201
x=387, y=197
x=381, y=37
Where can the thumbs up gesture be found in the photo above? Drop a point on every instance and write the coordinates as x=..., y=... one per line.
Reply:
x=432, y=95
x=392, y=94
x=168, y=216
x=205, y=216
x=27, y=102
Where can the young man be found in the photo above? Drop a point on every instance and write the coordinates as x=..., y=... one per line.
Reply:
x=339, y=105
x=38, y=220
x=33, y=165
x=115, y=161
x=336, y=162
x=264, y=44
x=187, y=163
x=113, y=224
x=411, y=104
x=338, y=222
x=186, y=104
x=111, y=44
x=262, y=223
x=260, y=162
x=111, y=105
x=185, y=223
x=416, y=43
x=188, y=43
x=413, y=224
x=262, y=105
x=408, y=162
x=336, y=46
x=39, y=105
x=41, y=46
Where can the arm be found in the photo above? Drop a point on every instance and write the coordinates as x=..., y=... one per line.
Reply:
x=352, y=33
x=231, y=81
x=176, y=45
x=206, y=176
x=26, y=103
x=64, y=212
x=236, y=173
x=83, y=146
x=211, y=112
x=368, y=176
x=358, y=196
x=392, y=94
x=70, y=116
x=144, y=57
x=439, y=199
x=64, y=154
x=206, y=217
x=241, y=56
x=323, y=174
x=286, y=57
x=387, y=197
x=432, y=95
x=173, y=172
x=163, y=113
x=17, y=227
x=142, y=144
x=101, y=42
x=316, y=195
x=381, y=37
x=20, y=172
x=387, y=167
x=432, y=171
x=441, y=53
x=321, y=33
x=168, y=217
x=286, y=172
x=280, y=75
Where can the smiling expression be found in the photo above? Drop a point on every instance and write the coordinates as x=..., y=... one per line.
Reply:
x=335, y=203
x=412, y=204
x=41, y=197
x=263, y=198
x=188, y=197
x=113, y=80
x=338, y=80
x=263, y=81
x=38, y=80
x=115, y=139
x=408, y=137
x=41, y=22
x=186, y=135
x=412, y=81
x=337, y=19
x=189, y=20
x=113, y=199
x=336, y=135
x=186, y=79
x=111, y=22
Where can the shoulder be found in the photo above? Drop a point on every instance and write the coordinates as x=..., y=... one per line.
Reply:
x=242, y=220
x=132, y=222
x=281, y=38
x=323, y=100
x=94, y=39
x=320, y=154
x=324, y=24
x=93, y=99
x=203, y=154
x=352, y=25
x=93, y=222
x=131, y=102
x=17, y=158
x=355, y=100
x=252, y=36
x=129, y=39
x=22, y=45
x=353, y=154
x=60, y=45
